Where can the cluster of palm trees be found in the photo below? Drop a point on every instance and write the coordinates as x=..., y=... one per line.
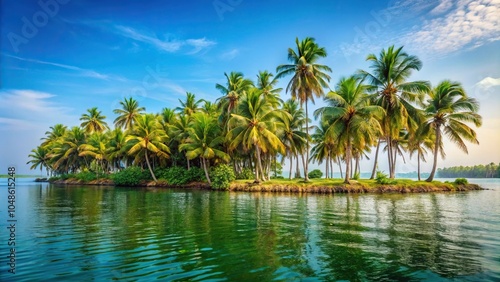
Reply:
x=249, y=126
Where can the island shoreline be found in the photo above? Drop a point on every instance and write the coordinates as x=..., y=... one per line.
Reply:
x=248, y=186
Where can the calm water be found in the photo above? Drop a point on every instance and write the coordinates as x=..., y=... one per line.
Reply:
x=92, y=233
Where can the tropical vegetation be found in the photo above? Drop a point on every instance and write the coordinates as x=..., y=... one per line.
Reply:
x=250, y=131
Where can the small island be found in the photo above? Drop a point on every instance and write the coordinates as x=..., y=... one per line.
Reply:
x=249, y=132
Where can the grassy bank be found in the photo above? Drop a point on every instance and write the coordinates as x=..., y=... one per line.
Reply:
x=325, y=186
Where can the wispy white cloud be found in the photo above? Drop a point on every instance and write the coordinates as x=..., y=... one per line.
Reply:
x=81, y=71
x=488, y=82
x=444, y=6
x=27, y=108
x=229, y=55
x=167, y=44
x=468, y=24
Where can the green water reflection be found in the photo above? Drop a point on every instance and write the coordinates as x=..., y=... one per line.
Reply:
x=143, y=234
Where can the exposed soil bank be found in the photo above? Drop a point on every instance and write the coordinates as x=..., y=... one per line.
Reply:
x=417, y=187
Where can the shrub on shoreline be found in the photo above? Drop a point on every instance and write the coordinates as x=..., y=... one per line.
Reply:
x=222, y=176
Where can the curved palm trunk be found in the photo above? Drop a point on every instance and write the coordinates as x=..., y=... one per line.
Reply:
x=374, y=170
x=340, y=168
x=291, y=167
x=149, y=166
x=204, y=163
x=436, y=151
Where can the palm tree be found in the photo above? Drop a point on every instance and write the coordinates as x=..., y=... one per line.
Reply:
x=116, y=149
x=128, y=113
x=96, y=148
x=353, y=123
x=236, y=85
x=254, y=127
x=447, y=111
x=56, y=132
x=179, y=129
x=204, y=141
x=419, y=143
x=390, y=70
x=39, y=158
x=294, y=138
x=147, y=136
x=322, y=149
x=309, y=78
x=93, y=121
x=65, y=152
x=190, y=106
x=267, y=83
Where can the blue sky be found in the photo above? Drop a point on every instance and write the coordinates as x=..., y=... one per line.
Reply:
x=61, y=57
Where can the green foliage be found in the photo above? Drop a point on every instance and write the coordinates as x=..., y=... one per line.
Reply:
x=490, y=170
x=177, y=175
x=86, y=176
x=221, y=177
x=195, y=174
x=245, y=173
x=461, y=181
x=130, y=176
x=356, y=176
x=316, y=173
x=382, y=178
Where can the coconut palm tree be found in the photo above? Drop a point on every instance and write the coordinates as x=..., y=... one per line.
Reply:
x=56, y=132
x=204, y=141
x=116, y=149
x=96, y=148
x=309, y=78
x=93, y=121
x=448, y=110
x=236, y=85
x=148, y=136
x=267, y=83
x=39, y=158
x=352, y=120
x=294, y=137
x=65, y=152
x=418, y=143
x=390, y=71
x=324, y=144
x=128, y=113
x=190, y=106
x=254, y=127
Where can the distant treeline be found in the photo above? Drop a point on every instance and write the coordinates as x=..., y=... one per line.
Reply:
x=478, y=171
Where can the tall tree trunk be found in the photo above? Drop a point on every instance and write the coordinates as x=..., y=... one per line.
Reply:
x=204, y=163
x=327, y=168
x=297, y=168
x=375, y=163
x=306, y=166
x=389, y=156
x=347, y=162
x=291, y=166
x=189, y=166
x=340, y=167
x=149, y=166
x=331, y=167
x=436, y=151
x=418, y=165
x=258, y=165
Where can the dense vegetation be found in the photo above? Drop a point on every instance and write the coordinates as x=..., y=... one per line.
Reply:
x=250, y=130
x=478, y=171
